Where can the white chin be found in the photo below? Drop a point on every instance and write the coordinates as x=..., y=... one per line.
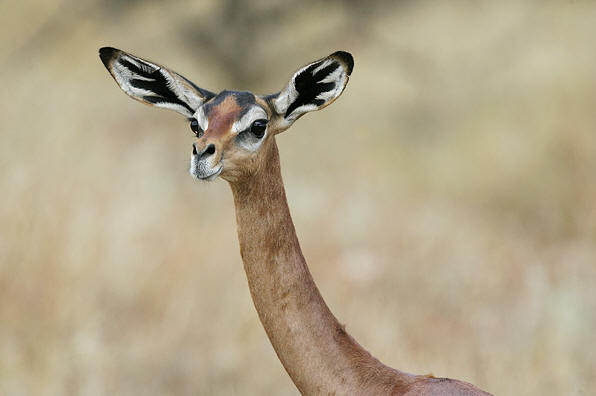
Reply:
x=208, y=175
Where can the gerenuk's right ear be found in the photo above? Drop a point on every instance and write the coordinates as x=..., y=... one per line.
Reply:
x=153, y=84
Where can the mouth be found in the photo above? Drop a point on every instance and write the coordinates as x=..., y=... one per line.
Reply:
x=197, y=174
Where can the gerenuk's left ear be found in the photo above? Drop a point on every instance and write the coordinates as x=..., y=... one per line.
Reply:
x=314, y=86
x=153, y=84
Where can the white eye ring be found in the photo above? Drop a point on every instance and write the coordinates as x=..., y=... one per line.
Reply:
x=253, y=114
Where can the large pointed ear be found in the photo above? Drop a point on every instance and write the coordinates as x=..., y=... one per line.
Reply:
x=153, y=84
x=314, y=86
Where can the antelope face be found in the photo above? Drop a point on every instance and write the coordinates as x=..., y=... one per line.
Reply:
x=232, y=128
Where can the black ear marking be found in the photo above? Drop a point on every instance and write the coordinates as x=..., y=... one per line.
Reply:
x=106, y=54
x=157, y=84
x=309, y=85
x=345, y=57
x=321, y=74
x=140, y=70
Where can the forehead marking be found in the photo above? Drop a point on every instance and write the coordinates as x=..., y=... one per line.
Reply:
x=222, y=115
x=243, y=100
x=226, y=108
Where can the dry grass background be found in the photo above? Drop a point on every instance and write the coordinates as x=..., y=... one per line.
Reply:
x=446, y=203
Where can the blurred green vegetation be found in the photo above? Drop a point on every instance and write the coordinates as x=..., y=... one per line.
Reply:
x=446, y=203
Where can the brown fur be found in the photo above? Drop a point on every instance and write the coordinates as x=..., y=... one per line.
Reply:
x=314, y=348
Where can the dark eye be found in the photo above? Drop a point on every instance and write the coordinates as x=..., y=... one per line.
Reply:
x=258, y=128
x=194, y=126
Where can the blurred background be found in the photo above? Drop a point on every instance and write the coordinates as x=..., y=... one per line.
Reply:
x=447, y=207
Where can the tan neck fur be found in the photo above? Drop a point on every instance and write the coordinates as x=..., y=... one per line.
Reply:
x=317, y=353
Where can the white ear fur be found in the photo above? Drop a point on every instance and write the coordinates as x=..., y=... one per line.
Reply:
x=153, y=84
x=314, y=86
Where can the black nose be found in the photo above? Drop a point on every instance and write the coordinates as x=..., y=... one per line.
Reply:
x=209, y=150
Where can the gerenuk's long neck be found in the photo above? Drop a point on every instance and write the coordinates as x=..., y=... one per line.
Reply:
x=317, y=353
